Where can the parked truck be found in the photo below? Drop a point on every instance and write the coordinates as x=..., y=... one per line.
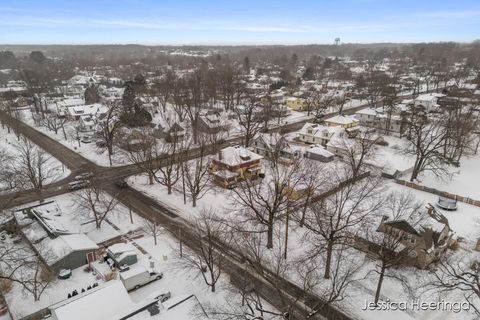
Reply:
x=138, y=276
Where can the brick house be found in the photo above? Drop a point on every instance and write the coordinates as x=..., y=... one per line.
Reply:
x=234, y=164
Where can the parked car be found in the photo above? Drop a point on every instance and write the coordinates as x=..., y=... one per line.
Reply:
x=76, y=185
x=83, y=176
x=122, y=184
x=319, y=118
x=86, y=139
x=64, y=274
x=161, y=296
x=139, y=276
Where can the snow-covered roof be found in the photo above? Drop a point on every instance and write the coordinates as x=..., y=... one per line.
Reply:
x=320, y=150
x=320, y=131
x=71, y=102
x=342, y=120
x=52, y=250
x=88, y=109
x=119, y=248
x=236, y=155
x=79, y=241
x=100, y=303
x=367, y=111
x=225, y=174
x=429, y=97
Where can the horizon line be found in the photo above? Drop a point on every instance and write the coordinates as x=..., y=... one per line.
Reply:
x=223, y=44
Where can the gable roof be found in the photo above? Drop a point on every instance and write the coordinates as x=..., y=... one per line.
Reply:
x=402, y=225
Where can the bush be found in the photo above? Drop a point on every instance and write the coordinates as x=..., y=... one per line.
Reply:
x=454, y=245
x=6, y=285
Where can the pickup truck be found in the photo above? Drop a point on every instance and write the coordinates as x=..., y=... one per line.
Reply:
x=138, y=276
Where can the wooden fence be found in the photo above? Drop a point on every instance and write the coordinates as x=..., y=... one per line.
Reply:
x=445, y=194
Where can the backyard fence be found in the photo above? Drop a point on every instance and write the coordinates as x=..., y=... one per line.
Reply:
x=445, y=194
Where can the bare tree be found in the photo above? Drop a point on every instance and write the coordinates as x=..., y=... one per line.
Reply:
x=195, y=100
x=208, y=257
x=53, y=123
x=249, y=118
x=170, y=171
x=458, y=273
x=359, y=152
x=426, y=141
x=153, y=229
x=334, y=219
x=36, y=278
x=21, y=265
x=268, y=265
x=345, y=266
x=266, y=202
x=109, y=126
x=195, y=173
x=142, y=150
x=32, y=165
x=164, y=88
x=95, y=202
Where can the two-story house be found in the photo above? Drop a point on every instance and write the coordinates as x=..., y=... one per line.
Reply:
x=423, y=237
x=275, y=146
x=234, y=164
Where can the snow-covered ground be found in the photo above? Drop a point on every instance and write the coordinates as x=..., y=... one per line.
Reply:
x=177, y=280
x=9, y=143
x=464, y=181
x=463, y=222
x=88, y=150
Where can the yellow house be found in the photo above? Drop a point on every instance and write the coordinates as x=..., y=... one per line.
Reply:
x=296, y=104
x=341, y=121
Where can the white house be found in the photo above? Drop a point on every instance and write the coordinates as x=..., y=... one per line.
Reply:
x=428, y=101
x=316, y=133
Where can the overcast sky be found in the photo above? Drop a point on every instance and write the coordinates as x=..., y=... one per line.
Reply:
x=237, y=22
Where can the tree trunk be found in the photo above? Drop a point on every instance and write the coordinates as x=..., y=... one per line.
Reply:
x=194, y=200
x=150, y=178
x=270, y=236
x=379, y=285
x=109, y=149
x=329, y=259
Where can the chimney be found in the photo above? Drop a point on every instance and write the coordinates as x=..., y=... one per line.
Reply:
x=220, y=155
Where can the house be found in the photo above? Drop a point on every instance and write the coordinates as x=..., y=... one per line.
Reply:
x=96, y=111
x=234, y=164
x=296, y=103
x=319, y=153
x=61, y=107
x=342, y=121
x=275, y=146
x=428, y=101
x=122, y=254
x=340, y=144
x=212, y=122
x=375, y=118
x=316, y=133
x=175, y=133
x=59, y=248
x=424, y=237
x=86, y=124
